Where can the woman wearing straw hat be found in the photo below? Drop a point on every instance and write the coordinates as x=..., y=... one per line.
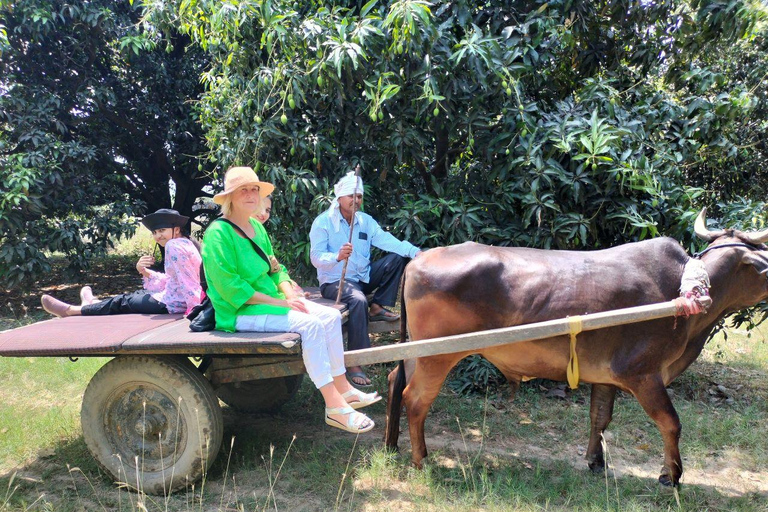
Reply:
x=176, y=290
x=251, y=292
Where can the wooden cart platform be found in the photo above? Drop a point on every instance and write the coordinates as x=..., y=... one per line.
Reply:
x=114, y=335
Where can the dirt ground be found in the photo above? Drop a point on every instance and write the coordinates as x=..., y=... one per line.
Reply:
x=107, y=276
x=719, y=471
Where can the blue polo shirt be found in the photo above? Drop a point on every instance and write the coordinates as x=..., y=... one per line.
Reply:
x=326, y=241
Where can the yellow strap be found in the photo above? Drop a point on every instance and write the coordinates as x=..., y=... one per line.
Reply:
x=574, y=323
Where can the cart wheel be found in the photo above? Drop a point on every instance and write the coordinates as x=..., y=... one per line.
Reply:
x=153, y=423
x=264, y=395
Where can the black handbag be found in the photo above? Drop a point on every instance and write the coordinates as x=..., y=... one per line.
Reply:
x=203, y=317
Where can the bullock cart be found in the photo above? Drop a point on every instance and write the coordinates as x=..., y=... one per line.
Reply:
x=151, y=417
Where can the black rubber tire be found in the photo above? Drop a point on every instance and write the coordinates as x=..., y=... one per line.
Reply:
x=264, y=395
x=152, y=422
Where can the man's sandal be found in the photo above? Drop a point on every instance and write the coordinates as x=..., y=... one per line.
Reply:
x=384, y=315
x=351, y=376
x=362, y=399
x=357, y=422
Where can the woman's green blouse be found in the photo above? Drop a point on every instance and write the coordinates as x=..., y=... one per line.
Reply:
x=235, y=271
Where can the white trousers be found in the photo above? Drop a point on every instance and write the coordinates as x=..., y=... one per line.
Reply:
x=322, y=344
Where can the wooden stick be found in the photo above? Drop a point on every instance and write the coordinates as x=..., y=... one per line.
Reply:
x=475, y=341
x=351, y=229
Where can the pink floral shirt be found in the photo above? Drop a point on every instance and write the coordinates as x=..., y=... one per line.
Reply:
x=179, y=287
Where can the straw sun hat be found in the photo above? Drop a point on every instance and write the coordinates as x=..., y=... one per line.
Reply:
x=236, y=177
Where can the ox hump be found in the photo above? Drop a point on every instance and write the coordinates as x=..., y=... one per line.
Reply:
x=455, y=269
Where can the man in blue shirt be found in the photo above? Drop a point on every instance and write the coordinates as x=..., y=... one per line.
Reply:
x=330, y=247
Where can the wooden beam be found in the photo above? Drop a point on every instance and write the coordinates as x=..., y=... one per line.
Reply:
x=256, y=372
x=473, y=341
x=466, y=342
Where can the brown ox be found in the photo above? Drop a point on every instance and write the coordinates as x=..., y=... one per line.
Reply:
x=472, y=287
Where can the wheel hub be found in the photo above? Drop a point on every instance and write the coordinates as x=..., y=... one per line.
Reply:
x=151, y=426
x=146, y=426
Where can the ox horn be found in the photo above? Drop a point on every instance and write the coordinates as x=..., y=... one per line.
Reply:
x=700, y=228
x=758, y=237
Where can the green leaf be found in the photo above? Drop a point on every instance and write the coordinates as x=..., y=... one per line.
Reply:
x=367, y=8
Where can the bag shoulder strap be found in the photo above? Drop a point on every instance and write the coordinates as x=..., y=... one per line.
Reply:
x=256, y=247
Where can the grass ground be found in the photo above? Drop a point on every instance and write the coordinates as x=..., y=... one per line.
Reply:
x=486, y=453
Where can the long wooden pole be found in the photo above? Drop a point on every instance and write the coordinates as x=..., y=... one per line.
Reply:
x=351, y=229
x=468, y=342
x=478, y=340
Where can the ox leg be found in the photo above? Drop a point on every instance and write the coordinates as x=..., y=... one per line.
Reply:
x=600, y=415
x=653, y=397
x=513, y=378
x=514, y=385
x=422, y=389
x=394, y=399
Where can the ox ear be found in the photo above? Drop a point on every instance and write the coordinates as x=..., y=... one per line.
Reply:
x=700, y=228
x=758, y=260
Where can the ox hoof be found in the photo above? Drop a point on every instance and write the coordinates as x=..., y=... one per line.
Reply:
x=597, y=468
x=596, y=463
x=666, y=480
x=392, y=449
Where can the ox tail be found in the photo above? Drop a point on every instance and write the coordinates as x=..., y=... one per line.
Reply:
x=403, y=311
x=396, y=381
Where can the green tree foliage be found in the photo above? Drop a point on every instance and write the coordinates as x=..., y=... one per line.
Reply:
x=95, y=122
x=561, y=124
x=739, y=76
